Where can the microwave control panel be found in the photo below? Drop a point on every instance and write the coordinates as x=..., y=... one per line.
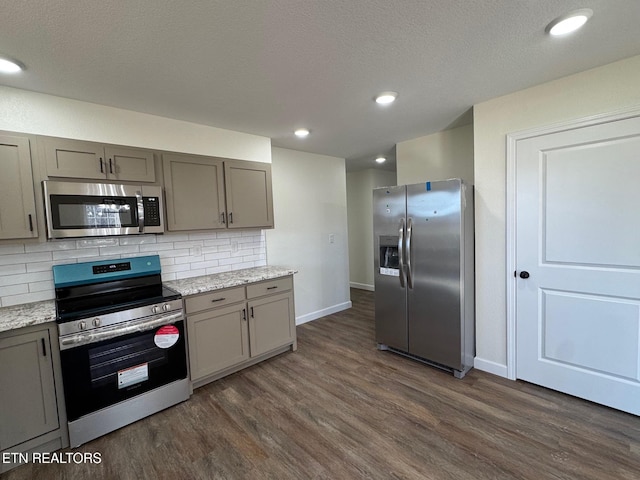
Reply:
x=151, y=211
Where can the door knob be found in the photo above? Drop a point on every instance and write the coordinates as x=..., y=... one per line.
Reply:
x=524, y=274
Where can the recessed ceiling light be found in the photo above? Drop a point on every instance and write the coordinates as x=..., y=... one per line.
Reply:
x=301, y=132
x=569, y=23
x=381, y=159
x=10, y=66
x=385, y=98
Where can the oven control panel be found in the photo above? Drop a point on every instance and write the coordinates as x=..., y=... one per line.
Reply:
x=108, y=321
x=158, y=309
x=111, y=267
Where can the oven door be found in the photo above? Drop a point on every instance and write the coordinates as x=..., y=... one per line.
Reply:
x=92, y=209
x=106, y=372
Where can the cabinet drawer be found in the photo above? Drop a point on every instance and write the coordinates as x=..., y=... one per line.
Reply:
x=276, y=285
x=219, y=298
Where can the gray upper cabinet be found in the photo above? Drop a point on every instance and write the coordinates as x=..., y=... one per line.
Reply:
x=131, y=164
x=248, y=194
x=17, y=203
x=79, y=159
x=27, y=396
x=208, y=193
x=194, y=189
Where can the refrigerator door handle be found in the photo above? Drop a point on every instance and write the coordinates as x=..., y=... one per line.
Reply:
x=401, y=252
x=408, y=254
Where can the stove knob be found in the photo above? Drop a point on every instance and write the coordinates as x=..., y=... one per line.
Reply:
x=155, y=309
x=96, y=322
x=82, y=325
x=166, y=307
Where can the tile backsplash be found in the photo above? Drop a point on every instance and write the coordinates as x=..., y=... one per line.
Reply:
x=26, y=275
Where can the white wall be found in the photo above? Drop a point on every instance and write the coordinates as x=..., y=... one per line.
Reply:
x=310, y=204
x=360, y=185
x=36, y=113
x=601, y=90
x=442, y=155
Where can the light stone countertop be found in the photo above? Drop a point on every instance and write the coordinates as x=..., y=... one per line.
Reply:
x=218, y=281
x=27, y=314
x=37, y=313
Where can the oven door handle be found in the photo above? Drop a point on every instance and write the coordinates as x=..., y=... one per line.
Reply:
x=84, y=338
x=140, y=211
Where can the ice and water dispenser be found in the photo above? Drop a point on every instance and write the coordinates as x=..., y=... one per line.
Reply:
x=389, y=259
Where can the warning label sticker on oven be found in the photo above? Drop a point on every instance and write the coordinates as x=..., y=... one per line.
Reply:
x=166, y=336
x=132, y=375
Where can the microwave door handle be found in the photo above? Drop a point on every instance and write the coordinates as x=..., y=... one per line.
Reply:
x=140, y=212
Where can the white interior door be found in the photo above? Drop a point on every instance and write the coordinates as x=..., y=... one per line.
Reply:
x=578, y=237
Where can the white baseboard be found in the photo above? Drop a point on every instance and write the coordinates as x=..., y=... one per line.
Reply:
x=362, y=286
x=322, y=313
x=490, y=367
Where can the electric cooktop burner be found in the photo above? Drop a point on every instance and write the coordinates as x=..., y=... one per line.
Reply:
x=97, y=288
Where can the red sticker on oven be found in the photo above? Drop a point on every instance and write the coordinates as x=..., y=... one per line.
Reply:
x=166, y=336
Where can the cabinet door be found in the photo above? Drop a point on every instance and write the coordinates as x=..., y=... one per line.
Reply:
x=27, y=395
x=17, y=203
x=248, y=193
x=217, y=340
x=271, y=322
x=194, y=188
x=74, y=158
x=130, y=164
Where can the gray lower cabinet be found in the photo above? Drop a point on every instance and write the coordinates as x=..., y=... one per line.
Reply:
x=17, y=201
x=29, y=416
x=230, y=329
x=218, y=337
x=270, y=324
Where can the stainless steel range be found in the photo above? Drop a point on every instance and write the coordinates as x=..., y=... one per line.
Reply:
x=122, y=344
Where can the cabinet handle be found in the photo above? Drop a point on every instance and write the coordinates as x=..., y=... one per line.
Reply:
x=30, y=223
x=252, y=313
x=231, y=217
x=110, y=167
x=44, y=348
x=218, y=299
x=271, y=288
x=223, y=218
x=244, y=314
x=101, y=167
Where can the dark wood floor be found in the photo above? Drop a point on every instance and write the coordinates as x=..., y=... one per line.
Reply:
x=339, y=409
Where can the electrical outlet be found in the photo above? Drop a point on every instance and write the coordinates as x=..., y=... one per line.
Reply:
x=234, y=246
x=196, y=251
x=332, y=238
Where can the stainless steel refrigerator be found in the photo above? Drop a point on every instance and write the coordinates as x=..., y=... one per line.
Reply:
x=424, y=272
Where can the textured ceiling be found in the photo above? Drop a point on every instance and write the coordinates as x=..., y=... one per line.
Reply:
x=269, y=66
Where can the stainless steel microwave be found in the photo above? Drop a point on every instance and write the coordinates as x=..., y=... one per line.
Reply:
x=101, y=209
